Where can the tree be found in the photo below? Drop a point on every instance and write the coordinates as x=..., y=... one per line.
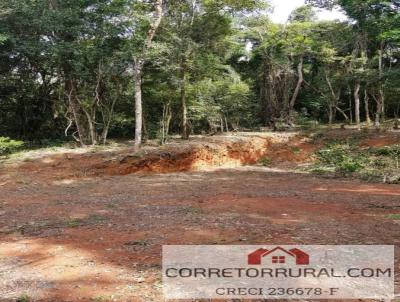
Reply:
x=199, y=31
x=303, y=13
x=375, y=21
x=139, y=60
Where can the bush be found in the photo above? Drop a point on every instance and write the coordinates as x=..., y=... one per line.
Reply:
x=23, y=298
x=390, y=151
x=342, y=158
x=349, y=166
x=265, y=161
x=8, y=146
x=373, y=164
x=333, y=154
x=306, y=123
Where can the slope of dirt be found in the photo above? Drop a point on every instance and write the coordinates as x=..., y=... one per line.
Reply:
x=195, y=155
x=198, y=154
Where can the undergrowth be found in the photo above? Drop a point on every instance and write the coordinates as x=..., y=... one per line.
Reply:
x=349, y=159
x=8, y=146
x=265, y=161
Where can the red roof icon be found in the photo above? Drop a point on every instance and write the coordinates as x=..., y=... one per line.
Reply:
x=301, y=257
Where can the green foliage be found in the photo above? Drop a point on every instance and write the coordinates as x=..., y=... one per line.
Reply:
x=265, y=161
x=226, y=58
x=390, y=151
x=24, y=298
x=8, y=146
x=373, y=164
x=394, y=216
x=306, y=123
x=341, y=158
x=303, y=13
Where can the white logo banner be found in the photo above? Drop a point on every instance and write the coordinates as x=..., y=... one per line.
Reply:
x=278, y=272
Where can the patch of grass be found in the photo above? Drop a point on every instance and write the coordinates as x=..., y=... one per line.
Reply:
x=306, y=123
x=341, y=157
x=142, y=242
x=74, y=223
x=371, y=175
x=9, y=146
x=322, y=170
x=394, y=216
x=350, y=165
x=24, y=298
x=195, y=210
x=91, y=219
x=265, y=161
x=347, y=158
x=103, y=298
x=295, y=150
x=389, y=151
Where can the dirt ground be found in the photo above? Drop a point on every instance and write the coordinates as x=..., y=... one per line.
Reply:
x=89, y=226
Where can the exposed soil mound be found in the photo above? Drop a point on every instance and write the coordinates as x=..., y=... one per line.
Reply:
x=200, y=153
x=193, y=157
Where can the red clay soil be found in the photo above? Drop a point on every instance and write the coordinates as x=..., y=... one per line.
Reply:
x=377, y=142
x=196, y=155
x=93, y=237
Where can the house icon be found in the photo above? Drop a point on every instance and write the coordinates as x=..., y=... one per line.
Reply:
x=278, y=255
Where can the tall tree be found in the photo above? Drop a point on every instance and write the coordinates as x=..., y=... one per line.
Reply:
x=138, y=63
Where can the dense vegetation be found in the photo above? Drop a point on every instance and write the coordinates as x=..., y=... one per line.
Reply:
x=90, y=69
x=348, y=158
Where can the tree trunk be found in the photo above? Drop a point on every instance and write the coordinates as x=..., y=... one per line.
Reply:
x=378, y=115
x=357, y=88
x=165, y=122
x=75, y=109
x=381, y=91
x=226, y=124
x=137, y=77
x=379, y=109
x=107, y=120
x=268, y=92
x=366, y=103
x=138, y=70
x=92, y=128
x=343, y=113
x=382, y=101
x=298, y=86
x=330, y=116
x=350, y=105
x=265, y=93
x=145, y=133
x=185, y=128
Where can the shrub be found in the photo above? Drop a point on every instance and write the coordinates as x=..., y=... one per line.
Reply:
x=333, y=154
x=23, y=298
x=350, y=165
x=390, y=151
x=306, y=123
x=373, y=164
x=394, y=216
x=341, y=158
x=8, y=146
x=265, y=161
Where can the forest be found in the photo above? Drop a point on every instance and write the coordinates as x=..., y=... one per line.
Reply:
x=88, y=70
